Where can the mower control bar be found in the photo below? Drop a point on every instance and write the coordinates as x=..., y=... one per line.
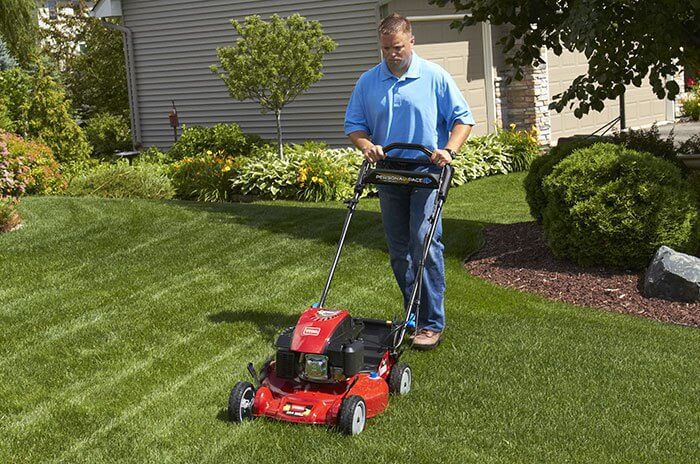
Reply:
x=367, y=175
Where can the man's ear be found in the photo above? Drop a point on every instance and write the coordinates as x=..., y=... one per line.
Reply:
x=413, y=39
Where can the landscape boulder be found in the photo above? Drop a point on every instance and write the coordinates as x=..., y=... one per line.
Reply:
x=673, y=276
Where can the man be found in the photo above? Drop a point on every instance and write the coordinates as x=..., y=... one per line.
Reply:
x=411, y=100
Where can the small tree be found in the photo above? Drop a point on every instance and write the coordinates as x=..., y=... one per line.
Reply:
x=273, y=62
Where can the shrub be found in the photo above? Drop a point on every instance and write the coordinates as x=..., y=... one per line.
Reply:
x=205, y=178
x=41, y=175
x=691, y=104
x=322, y=178
x=608, y=205
x=120, y=180
x=13, y=171
x=522, y=147
x=302, y=175
x=11, y=187
x=268, y=176
x=499, y=153
x=152, y=155
x=38, y=108
x=690, y=146
x=108, y=133
x=6, y=123
x=541, y=167
x=226, y=138
x=649, y=141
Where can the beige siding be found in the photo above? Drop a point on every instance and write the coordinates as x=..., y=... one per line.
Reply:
x=460, y=53
x=641, y=105
x=175, y=43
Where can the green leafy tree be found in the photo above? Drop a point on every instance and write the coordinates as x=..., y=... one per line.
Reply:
x=91, y=59
x=273, y=62
x=19, y=28
x=38, y=108
x=624, y=41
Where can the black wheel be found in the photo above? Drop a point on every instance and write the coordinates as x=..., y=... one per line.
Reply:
x=353, y=413
x=240, y=402
x=400, y=379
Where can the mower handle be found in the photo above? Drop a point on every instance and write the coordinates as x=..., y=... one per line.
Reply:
x=409, y=146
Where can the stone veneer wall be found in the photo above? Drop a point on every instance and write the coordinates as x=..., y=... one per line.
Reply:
x=525, y=102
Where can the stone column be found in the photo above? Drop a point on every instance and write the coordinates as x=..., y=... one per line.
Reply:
x=525, y=103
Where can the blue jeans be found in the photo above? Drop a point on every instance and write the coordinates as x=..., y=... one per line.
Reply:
x=405, y=213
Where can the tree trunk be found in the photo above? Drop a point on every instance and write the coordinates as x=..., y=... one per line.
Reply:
x=278, y=116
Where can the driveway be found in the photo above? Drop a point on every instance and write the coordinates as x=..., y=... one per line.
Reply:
x=682, y=131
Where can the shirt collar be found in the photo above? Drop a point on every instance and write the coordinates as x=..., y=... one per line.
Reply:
x=412, y=73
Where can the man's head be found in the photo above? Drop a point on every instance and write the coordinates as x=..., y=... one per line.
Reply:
x=396, y=41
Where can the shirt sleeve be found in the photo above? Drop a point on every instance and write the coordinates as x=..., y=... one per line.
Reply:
x=355, y=117
x=453, y=106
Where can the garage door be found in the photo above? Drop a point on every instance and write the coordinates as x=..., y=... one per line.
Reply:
x=460, y=53
x=641, y=105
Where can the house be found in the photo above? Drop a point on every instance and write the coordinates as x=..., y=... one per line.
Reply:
x=171, y=44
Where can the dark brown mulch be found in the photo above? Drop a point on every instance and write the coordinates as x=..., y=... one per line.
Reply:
x=515, y=255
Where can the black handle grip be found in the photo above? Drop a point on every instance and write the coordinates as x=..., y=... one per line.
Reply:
x=408, y=146
x=447, y=175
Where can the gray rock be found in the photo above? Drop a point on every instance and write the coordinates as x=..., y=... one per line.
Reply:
x=673, y=276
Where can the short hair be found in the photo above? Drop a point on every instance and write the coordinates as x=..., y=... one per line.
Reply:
x=394, y=24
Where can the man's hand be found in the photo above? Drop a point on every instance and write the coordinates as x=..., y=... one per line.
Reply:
x=441, y=157
x=373, y=153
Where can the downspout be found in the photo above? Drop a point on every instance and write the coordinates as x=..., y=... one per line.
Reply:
x=489, y=76
x=130, y=82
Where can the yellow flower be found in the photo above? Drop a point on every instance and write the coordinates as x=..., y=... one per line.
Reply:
x=314, y=179
x=209, y=152
x=326, y=173
x=226, y=169
x=320, y=181
x=512, y=126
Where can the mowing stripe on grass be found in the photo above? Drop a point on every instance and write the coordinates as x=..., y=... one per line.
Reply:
x=150, y=399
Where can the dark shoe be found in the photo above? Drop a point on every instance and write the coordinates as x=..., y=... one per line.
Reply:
x=426, y=339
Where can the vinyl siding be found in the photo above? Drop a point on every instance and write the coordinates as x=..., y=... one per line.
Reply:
x=175, y=42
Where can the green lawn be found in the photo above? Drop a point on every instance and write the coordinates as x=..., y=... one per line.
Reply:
x=124, y=324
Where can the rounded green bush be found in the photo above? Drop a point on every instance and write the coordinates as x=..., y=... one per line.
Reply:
x=540, y=168
x=226, y=138
x=608, y=205
x=108, y=133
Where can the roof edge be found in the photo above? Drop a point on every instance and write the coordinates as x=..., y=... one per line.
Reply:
x=107, y=9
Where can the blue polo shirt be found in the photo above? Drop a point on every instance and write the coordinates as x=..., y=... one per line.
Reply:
x=420, y=107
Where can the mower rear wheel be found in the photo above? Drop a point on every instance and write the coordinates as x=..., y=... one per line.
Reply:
x=240, y=402
x=353, y=414
x=400, y=379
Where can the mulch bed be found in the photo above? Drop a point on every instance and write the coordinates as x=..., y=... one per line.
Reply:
x=515, y=255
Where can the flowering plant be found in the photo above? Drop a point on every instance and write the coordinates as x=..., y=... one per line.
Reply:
x=206, y=177
x=11, y=187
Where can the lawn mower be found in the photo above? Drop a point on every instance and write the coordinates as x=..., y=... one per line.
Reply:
x=332, y=368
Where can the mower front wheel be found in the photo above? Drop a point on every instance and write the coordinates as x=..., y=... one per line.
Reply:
x=353, y=414
x=400, y=379
x=240, y=402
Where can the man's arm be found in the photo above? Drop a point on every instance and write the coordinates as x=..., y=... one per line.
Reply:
x=370, y=151
x=458, y=136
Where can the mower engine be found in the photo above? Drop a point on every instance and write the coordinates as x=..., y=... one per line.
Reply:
x=323, y=347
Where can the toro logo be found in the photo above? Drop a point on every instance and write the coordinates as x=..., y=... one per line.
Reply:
x=312, y=331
